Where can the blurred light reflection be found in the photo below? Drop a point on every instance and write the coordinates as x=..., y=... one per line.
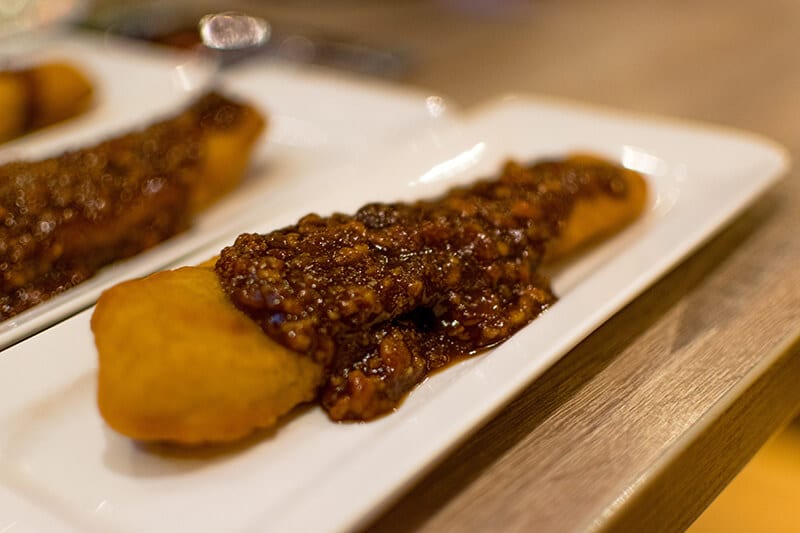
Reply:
x=436, y=106
x=639, y=160
x=667, y=179
x=453, y=166
x=194, y=74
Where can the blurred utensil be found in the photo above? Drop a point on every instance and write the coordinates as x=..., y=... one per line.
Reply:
x=176, y=25
x=233, y=31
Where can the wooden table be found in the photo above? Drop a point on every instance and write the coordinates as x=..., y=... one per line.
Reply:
x=641, y=425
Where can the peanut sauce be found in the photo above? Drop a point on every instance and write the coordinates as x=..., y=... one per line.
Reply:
x=62, y=219
x=386, y=296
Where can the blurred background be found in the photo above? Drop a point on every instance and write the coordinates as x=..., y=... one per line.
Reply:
x=734, y=63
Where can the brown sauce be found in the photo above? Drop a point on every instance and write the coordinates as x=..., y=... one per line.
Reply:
x=64, y=218
x=384, y=297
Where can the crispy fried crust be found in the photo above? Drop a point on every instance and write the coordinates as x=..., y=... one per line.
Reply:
x=594, y=218
x=40, y=96
x=179, y=363
x=227, y=154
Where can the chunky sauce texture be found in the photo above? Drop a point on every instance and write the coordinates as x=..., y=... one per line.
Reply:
x=64, y=218
x=386, y=296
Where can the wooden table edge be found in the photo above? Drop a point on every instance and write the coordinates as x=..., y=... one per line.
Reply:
x=736, y=427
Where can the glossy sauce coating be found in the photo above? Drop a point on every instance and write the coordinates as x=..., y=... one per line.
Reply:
x=383, y=297
x=63, y=218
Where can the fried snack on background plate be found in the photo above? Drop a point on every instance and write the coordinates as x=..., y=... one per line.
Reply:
x=354, y=311
x=40, y=96
x=64, y=218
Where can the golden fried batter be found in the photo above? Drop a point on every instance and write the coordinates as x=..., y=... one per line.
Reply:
x=179, y=363
x=40, y=96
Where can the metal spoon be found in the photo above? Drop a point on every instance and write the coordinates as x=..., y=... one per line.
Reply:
x=233, y=31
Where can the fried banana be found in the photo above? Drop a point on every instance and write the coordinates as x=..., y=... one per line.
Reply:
x=351, y=310
x=200, y=369
x=41, y=95
x=66, y=217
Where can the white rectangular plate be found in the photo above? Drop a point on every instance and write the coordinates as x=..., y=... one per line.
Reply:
x=60, y=466
x=318, y=120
